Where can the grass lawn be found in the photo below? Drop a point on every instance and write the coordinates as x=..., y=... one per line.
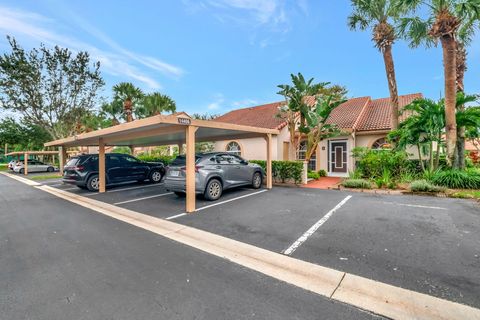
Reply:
x=3, y=167
x=469, y=194
x=46, y=176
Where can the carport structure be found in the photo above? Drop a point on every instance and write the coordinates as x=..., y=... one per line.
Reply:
x=167, y=130
x=26, y=154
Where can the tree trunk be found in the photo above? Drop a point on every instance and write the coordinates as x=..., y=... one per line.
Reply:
x=392, y=84
x=437, y=156
x=449, y=65
x=420, y=157
x=461, y=67
x=430, y=152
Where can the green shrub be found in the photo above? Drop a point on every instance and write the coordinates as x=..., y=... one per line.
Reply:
x=385, y=180
x=283, y=170
x=424, y=186
x=356, y=174
x=322, y=173
x=374, y=163
x=356, y=183
x=457, y=179
x=166, y=160
x=313, y=175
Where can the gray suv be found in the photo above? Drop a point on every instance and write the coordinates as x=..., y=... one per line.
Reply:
x=214, y=172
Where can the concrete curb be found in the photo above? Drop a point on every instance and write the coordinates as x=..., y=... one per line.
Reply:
x=370, y=295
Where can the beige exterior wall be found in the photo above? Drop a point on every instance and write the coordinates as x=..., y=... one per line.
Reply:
x=256, y=148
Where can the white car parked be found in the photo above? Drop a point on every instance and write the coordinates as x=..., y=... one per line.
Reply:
x=34, y=166
x=12, y=164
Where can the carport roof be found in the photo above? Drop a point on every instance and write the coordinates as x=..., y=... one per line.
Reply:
x=19, y=153
x=162, y=130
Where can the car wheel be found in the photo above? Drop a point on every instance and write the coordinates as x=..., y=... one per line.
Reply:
x=155, y=177
x=93, y=183
x=21, y=171
x=50, y=169
x=180, y=194
x=257, y=180
x=214, y=190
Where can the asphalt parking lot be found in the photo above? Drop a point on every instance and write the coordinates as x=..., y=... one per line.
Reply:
x=425, y=244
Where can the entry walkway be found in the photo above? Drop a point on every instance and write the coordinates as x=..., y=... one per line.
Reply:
x=323, y=183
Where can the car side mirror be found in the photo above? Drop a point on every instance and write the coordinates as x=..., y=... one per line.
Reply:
x=245, y=162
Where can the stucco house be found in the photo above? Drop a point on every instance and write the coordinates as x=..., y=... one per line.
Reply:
x=365, y=122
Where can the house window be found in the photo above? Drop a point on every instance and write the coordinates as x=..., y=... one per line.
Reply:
x=301, y=154
x=234, y=148
x=381, y=144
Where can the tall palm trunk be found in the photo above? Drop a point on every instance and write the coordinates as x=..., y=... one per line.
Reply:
x=449, y=65
x=461, y=65
x=392, y=84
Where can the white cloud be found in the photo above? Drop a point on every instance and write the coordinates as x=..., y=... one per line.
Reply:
x=257, y=13
x=244, y=103
x=217, y=103
x=30, y=26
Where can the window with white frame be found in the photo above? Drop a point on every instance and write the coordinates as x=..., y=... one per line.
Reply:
x=234, y=148
x=302, y=153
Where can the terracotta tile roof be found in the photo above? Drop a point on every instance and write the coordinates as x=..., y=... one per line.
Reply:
x=263, y=116
x=346, y=114
x=362, y=114
x=377, y=114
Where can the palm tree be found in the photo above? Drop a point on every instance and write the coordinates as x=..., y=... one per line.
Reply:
x=445, y=17
x=112, y=110
x=297, y=104
x=464, y=38
x=379, y=15
x=130, y=96
x=154, y=104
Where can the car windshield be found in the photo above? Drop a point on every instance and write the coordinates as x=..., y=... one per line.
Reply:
x=181, y=161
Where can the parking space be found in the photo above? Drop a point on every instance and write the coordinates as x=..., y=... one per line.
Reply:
x=426, y=244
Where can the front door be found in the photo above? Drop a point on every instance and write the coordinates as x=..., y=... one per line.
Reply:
x=338, y=157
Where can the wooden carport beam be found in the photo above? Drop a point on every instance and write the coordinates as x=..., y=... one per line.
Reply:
x=268, y=138
x=101, y=166
x=190, y=157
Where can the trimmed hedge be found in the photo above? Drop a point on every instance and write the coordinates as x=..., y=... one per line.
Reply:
x=283, y=170
x=166, y=160
x=424, y=186
x=457, y=179
x=356, y=183
x=313, y=175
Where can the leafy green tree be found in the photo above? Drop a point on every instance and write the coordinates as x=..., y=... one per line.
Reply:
x=317, y=127
x=442, y=23
x=130, y=96
x=379, y=15
x=298, y=99
x=50, y=88
x=22, y=136
x=154, y=104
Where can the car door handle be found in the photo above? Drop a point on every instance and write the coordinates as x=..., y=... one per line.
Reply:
x=238, y=167
x=218, y=167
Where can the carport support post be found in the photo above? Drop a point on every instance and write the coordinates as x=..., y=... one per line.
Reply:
x=190, y=156
x=25, y=163
x=269, y=161
x=62, y=158
x=101, y=166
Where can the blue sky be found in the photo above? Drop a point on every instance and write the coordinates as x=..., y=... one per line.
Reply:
x=212, y=56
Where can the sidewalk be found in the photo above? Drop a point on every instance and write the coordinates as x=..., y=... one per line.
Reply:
x=323, y=183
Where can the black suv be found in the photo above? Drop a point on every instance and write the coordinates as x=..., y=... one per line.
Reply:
x=82, y=171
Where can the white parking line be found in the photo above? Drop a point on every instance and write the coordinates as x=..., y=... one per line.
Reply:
x=217, y=204
x=144, y=198
x=314, y=228
x=126, y=189
x=415, y=205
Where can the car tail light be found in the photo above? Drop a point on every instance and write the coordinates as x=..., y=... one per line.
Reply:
x=196, y=168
